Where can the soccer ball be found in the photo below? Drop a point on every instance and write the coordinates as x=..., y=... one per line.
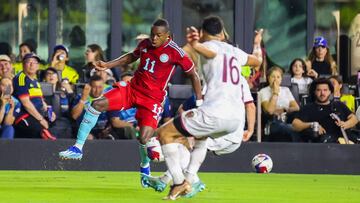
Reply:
x=154, y=151
x=262, y=163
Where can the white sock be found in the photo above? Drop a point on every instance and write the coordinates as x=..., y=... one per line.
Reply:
x=166, y=177
x=184, y=157
x=184, y=162
x=80, y=146
x=172, y=158
x=197, y=157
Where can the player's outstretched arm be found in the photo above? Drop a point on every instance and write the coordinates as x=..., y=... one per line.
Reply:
x=195, y=81
x=120, y=61
x=192, y=38
x=250, y=118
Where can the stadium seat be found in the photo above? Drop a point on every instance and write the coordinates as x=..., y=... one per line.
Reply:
x=51, y=97
x=286, y=80
x=178, y=94
x=294, y=88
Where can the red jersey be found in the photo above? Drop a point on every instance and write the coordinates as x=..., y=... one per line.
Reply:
x=157, y=65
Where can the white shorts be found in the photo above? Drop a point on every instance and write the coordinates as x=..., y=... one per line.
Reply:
x=227, y=143
x=197, y=123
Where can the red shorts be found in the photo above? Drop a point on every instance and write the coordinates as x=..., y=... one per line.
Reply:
x=123, y=97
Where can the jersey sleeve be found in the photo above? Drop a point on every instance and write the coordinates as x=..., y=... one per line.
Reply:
x=242, y=57
x=247, y=97
x=212, y=46
x=137, y=50
x=183, y=60
x=344, y=110
x=20, y=87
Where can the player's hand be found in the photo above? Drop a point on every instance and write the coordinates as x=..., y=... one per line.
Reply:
x=247, y=135
x=258, y=36
x=86, y=92
x=100, y=65
x=192, y=35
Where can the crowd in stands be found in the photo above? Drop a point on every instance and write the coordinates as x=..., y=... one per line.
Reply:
x=47, y=100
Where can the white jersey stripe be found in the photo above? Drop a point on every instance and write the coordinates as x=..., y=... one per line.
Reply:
x=177, y=48
x=170, y=74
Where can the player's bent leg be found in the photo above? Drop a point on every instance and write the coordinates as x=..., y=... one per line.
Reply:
x=146, y=133
x=89, y=121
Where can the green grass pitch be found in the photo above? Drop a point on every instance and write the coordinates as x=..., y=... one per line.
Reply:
x=107, y=187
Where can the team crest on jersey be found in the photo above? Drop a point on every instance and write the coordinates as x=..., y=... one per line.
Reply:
x=144, y=50
x=164, y=58
x=123, y=84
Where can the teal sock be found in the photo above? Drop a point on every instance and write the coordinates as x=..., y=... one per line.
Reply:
x=144, y=159
x=88, y=122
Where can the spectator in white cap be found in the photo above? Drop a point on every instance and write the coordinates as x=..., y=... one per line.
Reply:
x=107, y=75
x=6, y=69
x=59, y=61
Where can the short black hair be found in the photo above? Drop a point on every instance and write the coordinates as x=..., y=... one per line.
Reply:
x=126, y=73
x=337, y=78
x=162, y=22
x=213, y=25
x=95, y=78
x=319, y=81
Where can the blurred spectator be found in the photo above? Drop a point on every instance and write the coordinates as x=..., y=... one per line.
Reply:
x=277, y=102
x=93, y=53
x=126, y=76
x=258, y=73
x=6, y=49
x=346, y=97
x=141, y=37
x=337, y=85
x=6, y=69
x=299, y=76
x=314, y=120
x=9, y=108
x=77, y=44
x=106, y=75
x=29, y=46
x=31, y=122
x=91, y=92
x=59, y=61
x=64, y=89
x=126, y=121
x=320, y=61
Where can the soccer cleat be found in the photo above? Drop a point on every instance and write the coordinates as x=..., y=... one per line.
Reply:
x=177, y=191
x=195, y=188
x=153, y=182
x=71, y=153
x=144, y=171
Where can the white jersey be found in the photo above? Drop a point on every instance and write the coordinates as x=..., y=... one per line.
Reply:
x=224, y=97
